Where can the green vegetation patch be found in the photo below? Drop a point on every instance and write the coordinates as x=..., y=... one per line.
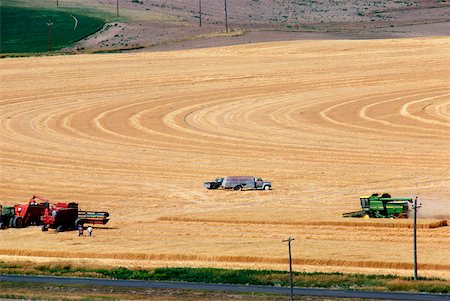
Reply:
x=251, y=277
x=25, y=30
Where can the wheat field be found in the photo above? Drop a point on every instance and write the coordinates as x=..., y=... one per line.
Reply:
x=138, y=134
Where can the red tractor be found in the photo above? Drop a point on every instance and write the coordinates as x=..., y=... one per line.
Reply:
x=29, y=214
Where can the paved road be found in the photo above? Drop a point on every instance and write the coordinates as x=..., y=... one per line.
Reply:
x=229, y=288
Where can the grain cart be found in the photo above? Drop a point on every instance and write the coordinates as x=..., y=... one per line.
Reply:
x=30, y=213
x=382, y=206
x=6, y=216
x=66, y=216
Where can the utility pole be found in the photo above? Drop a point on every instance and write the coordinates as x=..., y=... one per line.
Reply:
x=57, y=4
x=117, y=7
x=290, y=266
x=200, y=12
x=49, y=25
x=415, y=207
x=226, y=17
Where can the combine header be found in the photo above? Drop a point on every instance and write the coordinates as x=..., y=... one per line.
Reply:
x=384, y=206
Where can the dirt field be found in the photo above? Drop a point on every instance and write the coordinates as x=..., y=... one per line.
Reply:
x=171, y=25
x=138, y=134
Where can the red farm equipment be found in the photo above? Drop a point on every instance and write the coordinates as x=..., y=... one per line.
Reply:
x=29, y=214
x=66, y=216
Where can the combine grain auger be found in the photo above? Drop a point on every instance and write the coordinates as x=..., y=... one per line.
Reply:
x=382, y=206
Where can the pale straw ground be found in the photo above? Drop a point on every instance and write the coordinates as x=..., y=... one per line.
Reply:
x=138, y=134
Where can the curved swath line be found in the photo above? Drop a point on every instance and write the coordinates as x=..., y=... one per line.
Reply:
x=140, y=140
x=135, y=123
x=253, y=130
x=236, y=117
x=324, y=115
x=363, y=113
x=276, y=146
x=103, y=115
x=404, y=112
x=76, y=22
x=442, y=110
x=170, y=121
x=33, y=139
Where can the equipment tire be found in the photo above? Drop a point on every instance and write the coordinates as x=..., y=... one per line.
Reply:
x=17, y=222
x=239, y=187
x=44, y=228
x=365, y=216
x=60, y=228
x=267, y=187
x=78, y=222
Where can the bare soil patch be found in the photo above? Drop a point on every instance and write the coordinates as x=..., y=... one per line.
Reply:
x=174, y=25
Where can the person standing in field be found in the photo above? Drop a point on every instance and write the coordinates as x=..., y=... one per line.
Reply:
x=89, y=229
x=80, y=230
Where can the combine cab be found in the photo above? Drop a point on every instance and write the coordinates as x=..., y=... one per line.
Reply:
x=381, y=206
x=6, y=216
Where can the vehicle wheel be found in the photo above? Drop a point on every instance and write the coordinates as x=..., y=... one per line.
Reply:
x=239, y=187
x=366, y=215
x=44, y=228
x=60, y=228
x=17, y=222
x=267, y=187
x=2, y=225
x=78, y=222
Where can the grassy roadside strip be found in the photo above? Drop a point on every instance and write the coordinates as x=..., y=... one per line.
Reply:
x=252, y=277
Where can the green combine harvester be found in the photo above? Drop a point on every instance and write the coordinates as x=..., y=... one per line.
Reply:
x=382, y=206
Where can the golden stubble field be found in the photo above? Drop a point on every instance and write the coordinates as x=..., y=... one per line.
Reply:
x=138, y=134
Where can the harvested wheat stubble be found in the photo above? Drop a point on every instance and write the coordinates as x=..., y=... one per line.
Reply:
x=236, y=259
x=346, y=223
x=325, y=121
